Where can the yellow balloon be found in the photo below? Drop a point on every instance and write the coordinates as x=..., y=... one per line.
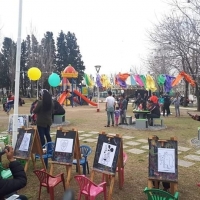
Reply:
x=34, y=73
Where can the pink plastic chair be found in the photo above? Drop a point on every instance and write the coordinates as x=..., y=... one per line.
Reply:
x=48, y=181
x=89, y=189
x=125, y=157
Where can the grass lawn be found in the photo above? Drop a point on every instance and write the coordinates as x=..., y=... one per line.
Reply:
x=85, y=118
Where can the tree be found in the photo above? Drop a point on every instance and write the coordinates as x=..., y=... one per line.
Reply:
x=8, y=63
x=47, y=57
x=74, y=55
x=62, y=53
x=177, y=34
x=68, y=53
x=24, y=80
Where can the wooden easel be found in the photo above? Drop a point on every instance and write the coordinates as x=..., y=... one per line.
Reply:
x=110, y=177
x=75, y=154
x=34, y=148
x=173, y=184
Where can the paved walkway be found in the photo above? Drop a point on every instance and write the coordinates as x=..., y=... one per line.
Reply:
x=140, y=146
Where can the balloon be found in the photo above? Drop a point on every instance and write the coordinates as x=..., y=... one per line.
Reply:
x=54, y=80
x=34, y=73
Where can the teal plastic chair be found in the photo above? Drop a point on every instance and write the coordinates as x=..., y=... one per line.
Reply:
x=5, y=173
x=156, y=194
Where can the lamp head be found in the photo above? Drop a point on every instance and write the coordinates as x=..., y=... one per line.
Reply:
x=97, y=67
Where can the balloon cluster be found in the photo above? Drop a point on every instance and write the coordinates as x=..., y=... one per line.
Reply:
x=34, y=74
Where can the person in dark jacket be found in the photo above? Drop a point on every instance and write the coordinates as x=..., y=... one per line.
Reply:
x=19, y=180
x=44, y=111
x=122, y=106
x=154, y=112
x=57, y=108
x=166, y=104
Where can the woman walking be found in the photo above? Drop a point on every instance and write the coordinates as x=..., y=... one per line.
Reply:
x=44, y=111
x=176, y=103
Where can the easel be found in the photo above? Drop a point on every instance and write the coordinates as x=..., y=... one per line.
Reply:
x=173, y=184
x=110, y=177
x=34, y=148
x=76, y=155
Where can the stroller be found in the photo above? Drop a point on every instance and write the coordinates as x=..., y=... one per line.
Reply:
x=33, y=116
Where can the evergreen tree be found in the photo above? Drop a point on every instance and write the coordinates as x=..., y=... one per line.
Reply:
x=8, y=63
x=24, y=80
x=74, y=55
x=62, y=53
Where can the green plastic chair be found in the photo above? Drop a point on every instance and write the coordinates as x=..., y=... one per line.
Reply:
x=5, y=173
x=156, y=194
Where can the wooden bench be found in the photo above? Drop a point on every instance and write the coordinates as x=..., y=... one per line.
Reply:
x=58, y=119
x=141, y=123
x=158, y=119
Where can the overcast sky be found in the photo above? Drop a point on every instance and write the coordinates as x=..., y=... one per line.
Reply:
x=110, y=33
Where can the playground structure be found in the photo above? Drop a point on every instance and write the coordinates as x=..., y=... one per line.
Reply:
x=67, y=93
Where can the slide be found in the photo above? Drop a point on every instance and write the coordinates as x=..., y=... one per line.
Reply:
x=84, y=98
x=62, y=97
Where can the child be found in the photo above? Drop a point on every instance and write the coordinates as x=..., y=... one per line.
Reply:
x=117, y=114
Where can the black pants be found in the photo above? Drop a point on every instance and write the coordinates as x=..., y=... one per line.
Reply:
x=166, y=108
x=150, y=118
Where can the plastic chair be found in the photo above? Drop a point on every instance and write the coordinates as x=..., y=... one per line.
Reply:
x=125, y=157
x=157, y=194
x=48, y=181
x=85, y=152
x=89, y=189
x=5, y=173
x=48, y=154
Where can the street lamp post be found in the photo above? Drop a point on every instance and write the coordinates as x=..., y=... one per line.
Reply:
x=97, y=67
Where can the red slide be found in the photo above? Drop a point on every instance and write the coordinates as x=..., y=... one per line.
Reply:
x=62, y=97
x=84, y=98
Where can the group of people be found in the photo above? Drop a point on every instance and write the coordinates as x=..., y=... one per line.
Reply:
x=116, y=110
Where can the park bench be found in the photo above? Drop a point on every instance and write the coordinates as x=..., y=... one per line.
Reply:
x=141, y=123
x=157, y=119
x=129, y=119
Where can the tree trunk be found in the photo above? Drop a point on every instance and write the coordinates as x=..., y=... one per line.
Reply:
x=198, y=97
x=186, y=93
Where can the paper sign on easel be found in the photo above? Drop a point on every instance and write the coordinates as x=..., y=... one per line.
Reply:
x=25, y=142
x=64, y=145
x=166, y=160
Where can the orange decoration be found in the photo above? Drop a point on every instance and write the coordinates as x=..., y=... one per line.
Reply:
x=187, y=77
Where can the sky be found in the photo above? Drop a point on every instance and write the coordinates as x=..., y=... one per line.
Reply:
x=110, y=33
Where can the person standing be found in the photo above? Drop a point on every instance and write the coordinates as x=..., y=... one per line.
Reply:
x=166, y=104
x=110, y=108
x=176, y=103
x=44, y=111
x=122, y=106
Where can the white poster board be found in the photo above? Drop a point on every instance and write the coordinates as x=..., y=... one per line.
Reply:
x=107, y=154
x=64, y=145
x=166, y=160
x=25, y=142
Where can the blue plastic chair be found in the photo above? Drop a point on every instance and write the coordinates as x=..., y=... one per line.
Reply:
x=49, y=152
x=85, y=152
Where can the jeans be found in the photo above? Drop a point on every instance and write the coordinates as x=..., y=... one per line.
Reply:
x=177, y=110
x=123, y=116
x=110, y=115
x=44, y=131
